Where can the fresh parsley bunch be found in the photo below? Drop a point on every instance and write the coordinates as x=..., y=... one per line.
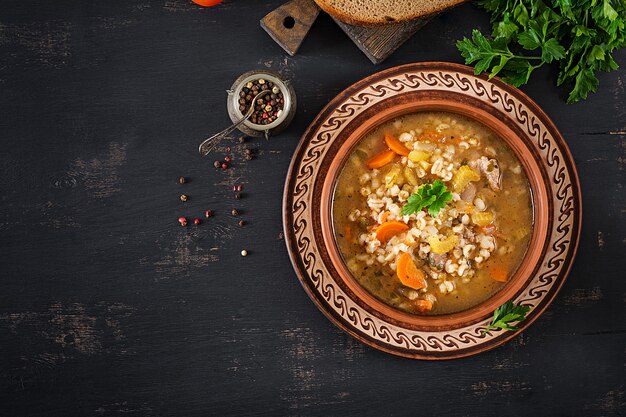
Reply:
x=579, y=34
x=432, y=196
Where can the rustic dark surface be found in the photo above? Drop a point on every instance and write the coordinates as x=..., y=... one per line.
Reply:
x=108, y=307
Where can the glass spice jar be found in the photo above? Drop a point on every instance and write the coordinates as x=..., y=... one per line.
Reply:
x=277, y=116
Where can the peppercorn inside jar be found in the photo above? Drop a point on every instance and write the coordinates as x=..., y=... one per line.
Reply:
x=272, y=112
x=267, y=108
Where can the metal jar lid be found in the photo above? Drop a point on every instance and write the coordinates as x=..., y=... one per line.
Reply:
x=278, y=125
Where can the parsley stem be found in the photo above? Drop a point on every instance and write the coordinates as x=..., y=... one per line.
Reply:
x=526, y=57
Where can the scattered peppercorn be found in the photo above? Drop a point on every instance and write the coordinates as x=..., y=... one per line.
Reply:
x=241, y=223
x=237, y=196
x=184, y=198
x=182, y=221
x=224, y=166
x=244, y=253
x=217, y=164
x=227, y=159
x=234, y=187
x=196, y=221
x=234, y=212
x=208, y=213
x=239, y=187
x=182, y=180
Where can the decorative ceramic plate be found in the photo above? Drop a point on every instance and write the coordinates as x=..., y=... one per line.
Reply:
x=325, y=147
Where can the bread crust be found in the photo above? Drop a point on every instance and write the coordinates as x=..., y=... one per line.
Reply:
x=359, y=21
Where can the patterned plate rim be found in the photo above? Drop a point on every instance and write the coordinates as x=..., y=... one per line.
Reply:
x=467, y=340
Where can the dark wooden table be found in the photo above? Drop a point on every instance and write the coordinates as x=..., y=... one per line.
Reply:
x=108, y=307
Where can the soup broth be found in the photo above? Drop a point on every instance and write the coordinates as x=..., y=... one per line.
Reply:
x=423, y=261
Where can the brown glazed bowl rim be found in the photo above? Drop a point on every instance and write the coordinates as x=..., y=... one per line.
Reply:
x=521, y=275
x=320, y=156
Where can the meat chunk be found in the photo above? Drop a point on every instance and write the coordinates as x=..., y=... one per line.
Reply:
x=408, y=293
x=468, y=234
x=437, y=261
x=490, y=169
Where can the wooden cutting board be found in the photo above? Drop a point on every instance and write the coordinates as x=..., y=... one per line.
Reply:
x=289, y=24
x=380, y=42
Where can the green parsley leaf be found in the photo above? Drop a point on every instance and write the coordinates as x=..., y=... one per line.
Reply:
x=597, y=53
x=586, y=82
x=551, y=50
x=517, y=72
x=520, y=14
x=529, y=39
x=608, y=10
x=433, y=196
x=482, y=51
x=505, y=29
x=506, y=314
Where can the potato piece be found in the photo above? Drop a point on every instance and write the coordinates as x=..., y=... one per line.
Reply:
x=440, y=247
x=394, y=176
x=425, y=164
x=417, y=156
x=464, y=207
x=482, y=218
x=410, y=176
x=464, y=176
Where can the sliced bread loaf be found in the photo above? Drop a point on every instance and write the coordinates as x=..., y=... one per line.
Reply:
x=381, y=12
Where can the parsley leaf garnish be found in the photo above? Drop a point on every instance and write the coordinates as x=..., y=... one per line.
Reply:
x=505, y=314
x=526, y=34
x=434, y=197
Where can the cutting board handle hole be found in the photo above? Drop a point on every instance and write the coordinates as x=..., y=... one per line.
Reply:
x=289, y=22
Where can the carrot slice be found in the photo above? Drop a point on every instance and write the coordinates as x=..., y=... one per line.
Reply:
x=487, y=230
x=395, y=145
x=423, y=306
x=381, y=159
x=498, y=273
x=387, y=230
x=348, y=232
x=409, y=274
